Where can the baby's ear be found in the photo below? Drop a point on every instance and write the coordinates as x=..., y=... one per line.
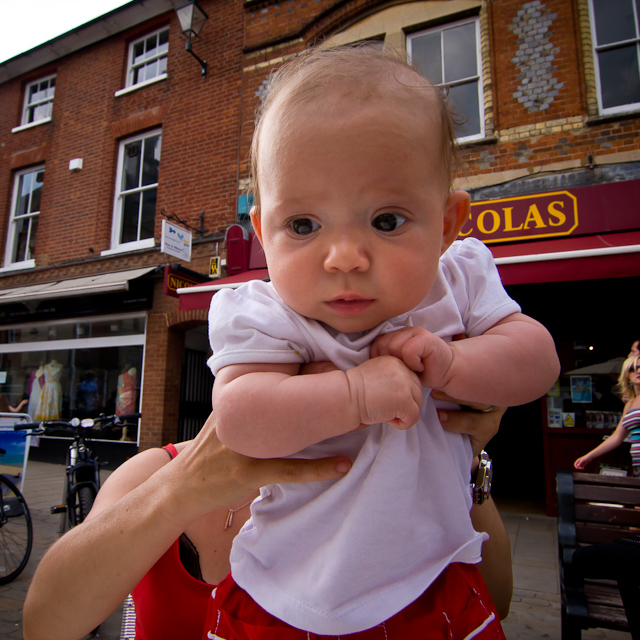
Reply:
x=457, y=210
x=254, y=214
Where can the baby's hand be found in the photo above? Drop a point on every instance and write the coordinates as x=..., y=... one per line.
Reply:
x=385, y=390
x=421, y=350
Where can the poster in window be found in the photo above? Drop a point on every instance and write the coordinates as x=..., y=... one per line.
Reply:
x=581, y=389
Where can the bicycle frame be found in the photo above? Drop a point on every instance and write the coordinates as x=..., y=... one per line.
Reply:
x=82, y=476
x=82, y=472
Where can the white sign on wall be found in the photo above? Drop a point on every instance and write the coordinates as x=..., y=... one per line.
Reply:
x=176, y=241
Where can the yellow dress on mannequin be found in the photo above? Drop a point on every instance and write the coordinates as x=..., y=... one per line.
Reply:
x=50, y=405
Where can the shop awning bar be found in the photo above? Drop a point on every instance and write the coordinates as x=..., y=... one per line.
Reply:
x=88, y=285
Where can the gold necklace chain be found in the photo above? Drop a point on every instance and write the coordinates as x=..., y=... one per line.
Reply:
x=229, y=519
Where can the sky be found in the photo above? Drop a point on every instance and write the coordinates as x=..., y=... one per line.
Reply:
x=25, y=24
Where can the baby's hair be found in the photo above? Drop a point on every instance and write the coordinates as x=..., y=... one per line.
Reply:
x=308, y=73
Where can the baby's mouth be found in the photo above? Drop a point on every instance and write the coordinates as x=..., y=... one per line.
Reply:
x=349, y=306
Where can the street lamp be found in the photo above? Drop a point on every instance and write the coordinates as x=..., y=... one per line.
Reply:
x=192, y=19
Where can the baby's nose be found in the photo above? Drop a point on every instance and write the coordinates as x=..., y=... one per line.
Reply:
x=347, y=254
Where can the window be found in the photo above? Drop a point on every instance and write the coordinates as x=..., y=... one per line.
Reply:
x=136, y=191
x=615, y=28
x=450, y=57
x=23, y=224
x=148, y=58
x=91, y=366
x=38, y=100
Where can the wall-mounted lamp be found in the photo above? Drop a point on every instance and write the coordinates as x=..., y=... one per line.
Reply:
x=192, y=19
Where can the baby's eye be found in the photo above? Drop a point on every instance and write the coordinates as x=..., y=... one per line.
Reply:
x=303, y=226
x=388, y=221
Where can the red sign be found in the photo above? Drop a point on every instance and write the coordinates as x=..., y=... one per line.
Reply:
x=177, y=278
x=544, y=215
x=581, y=211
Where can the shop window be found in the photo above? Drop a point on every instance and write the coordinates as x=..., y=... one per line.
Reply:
x=615, y=31
x=147, y=60
x=449, y=56
x=136, y=192
x=38, y=101
x=23, y=223
x=75, y=369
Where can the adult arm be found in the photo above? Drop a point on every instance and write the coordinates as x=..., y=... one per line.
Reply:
x=268, y=410
x=611, y=443
x=495, y=568
x=145, y=507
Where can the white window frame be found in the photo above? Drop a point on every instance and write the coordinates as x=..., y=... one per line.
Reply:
x=477, y=77
x=133, y=66
x=11, y=232
x=28, y=105
x=145, y=243
x=624, y=108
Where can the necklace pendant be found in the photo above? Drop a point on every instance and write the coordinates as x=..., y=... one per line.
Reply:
x=229, y=520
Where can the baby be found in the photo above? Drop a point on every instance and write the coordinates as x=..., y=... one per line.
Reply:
x=352, y=161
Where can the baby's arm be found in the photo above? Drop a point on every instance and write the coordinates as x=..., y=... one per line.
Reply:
x=267, y=411
x=512, y=363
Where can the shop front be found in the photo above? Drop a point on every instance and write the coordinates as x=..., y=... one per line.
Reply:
x=568, y=250
x=77, y=355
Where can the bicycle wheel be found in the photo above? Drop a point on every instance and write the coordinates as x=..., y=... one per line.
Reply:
x=86, y=498
x=16, y=531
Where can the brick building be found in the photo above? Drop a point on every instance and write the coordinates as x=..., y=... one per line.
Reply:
x=549, y=94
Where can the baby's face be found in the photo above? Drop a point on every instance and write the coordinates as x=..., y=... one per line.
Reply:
x=354, y=209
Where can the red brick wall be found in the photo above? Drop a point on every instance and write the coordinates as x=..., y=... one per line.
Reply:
x=564, y=134
x=200, y=121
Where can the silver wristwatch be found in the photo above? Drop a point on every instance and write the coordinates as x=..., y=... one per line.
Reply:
x=481, y=488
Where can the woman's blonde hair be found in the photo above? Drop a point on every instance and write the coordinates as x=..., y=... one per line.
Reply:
x=625, y=387
x=308, y=73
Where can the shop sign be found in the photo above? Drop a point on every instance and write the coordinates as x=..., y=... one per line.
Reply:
x=176, y=241
x=176, y=277
x=543, y=215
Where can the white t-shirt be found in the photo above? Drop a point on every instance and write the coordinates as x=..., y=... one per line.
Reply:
x=342, y=556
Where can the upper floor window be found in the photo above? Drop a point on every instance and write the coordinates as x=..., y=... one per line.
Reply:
x=449, y=56
x=23, y=224
x=615, y=28
x=148, y=57
x=38, y=100
x=136, y=190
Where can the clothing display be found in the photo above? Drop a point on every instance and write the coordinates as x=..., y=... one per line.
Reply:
x=362, y=548
x=126, y=398
x=631, y=422
x=50, y=406
x=34, y=390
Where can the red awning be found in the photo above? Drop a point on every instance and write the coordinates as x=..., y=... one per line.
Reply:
x=596, y=257
x=199, y=296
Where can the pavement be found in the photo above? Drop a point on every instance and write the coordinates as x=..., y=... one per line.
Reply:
x=535, y=608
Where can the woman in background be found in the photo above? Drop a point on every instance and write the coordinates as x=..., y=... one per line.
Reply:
x=629, y=390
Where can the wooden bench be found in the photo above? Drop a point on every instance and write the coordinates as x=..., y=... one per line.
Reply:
x=595, y=509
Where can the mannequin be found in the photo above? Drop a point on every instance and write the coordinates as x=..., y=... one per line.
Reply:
x=34, y=389
x=50, y=406
x=126, y=398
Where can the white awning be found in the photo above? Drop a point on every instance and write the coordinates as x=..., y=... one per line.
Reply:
x=99, y=283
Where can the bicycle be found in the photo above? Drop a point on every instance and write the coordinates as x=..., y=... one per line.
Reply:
x=82, y=481
x=16, y=530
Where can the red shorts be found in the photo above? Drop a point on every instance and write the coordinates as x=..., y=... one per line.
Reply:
x=456, y=606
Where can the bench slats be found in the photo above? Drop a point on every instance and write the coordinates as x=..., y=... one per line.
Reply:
x=593, y=509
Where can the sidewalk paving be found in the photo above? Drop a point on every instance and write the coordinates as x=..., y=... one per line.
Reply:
x=535, y=609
